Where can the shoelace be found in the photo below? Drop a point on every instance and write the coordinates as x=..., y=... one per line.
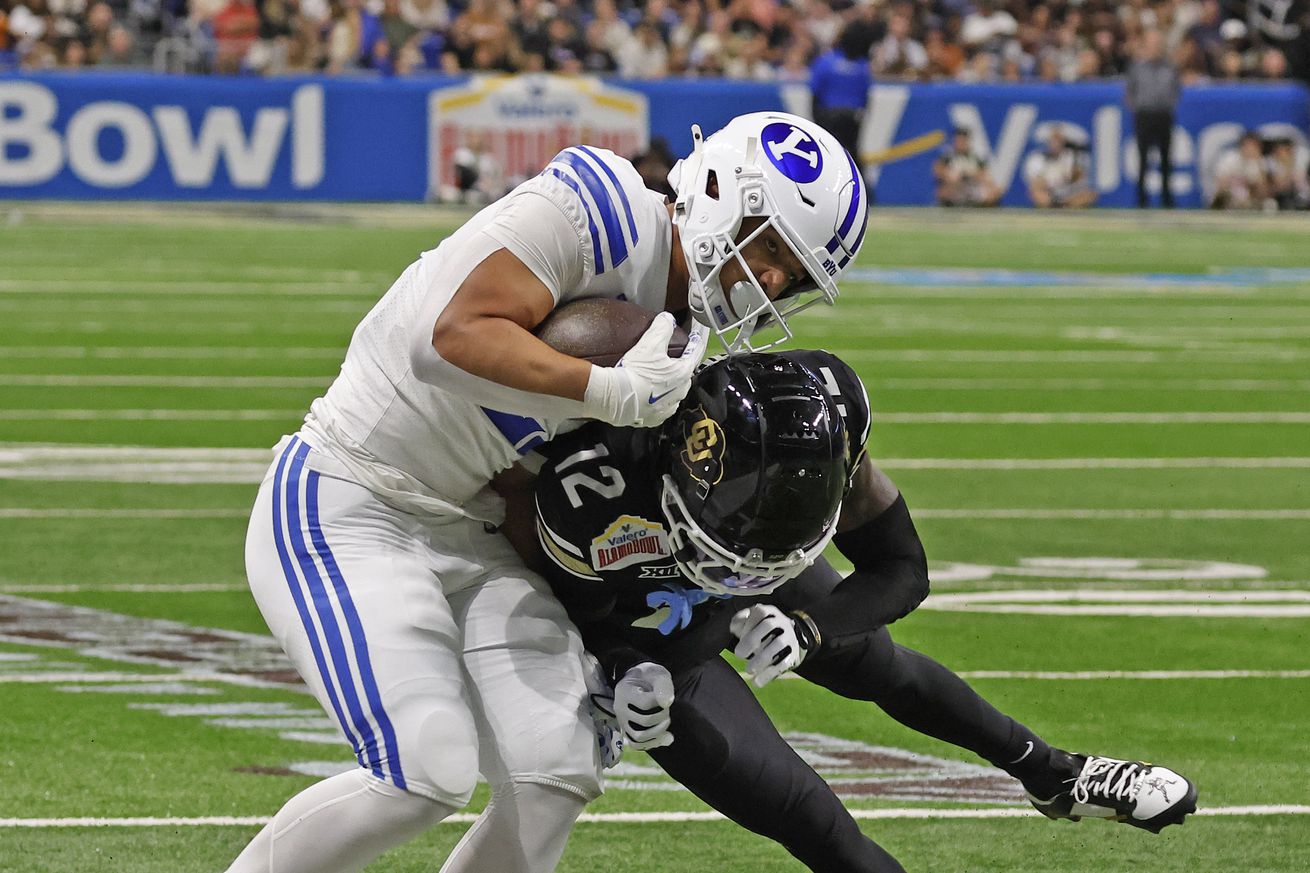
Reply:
x=1109, y=779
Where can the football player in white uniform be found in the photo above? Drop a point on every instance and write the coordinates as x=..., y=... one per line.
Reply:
x=373, y=550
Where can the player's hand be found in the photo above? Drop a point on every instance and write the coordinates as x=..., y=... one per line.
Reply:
x=641, y=706
x=647, y=385
x=767, y=641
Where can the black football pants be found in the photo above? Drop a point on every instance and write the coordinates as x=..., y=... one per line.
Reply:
x=729, y=754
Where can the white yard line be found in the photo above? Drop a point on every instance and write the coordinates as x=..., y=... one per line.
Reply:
x=1092, y=463
x=14, y=453
x=1064, y=356
x=1039, y=418
x=74, y=381
x=149, y=414
x=1010, y=418
x=47, y=512
x=1119, y=514
x=971, y=514
x=138, y=287
x=25, y=456
x=1154, y=675
x=1092, y=384
x=890, y=384
x=122, y=588
x=186, y=353
x=625, y=817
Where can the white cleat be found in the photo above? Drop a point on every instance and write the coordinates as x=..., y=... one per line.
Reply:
x=1132, y=792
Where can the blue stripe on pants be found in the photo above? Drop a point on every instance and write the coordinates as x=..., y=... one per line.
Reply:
x=356, y=628
x=293, y=582
x=327, y=619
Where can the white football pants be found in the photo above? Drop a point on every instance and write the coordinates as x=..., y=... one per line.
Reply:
x=427, y=641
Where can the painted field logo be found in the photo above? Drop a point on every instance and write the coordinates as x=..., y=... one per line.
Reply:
x=629, y=540
x=859, y=770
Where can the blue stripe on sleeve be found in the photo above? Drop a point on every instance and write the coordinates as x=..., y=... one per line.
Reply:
x=293, y=582
x=591, y=222
x=327, y=619
x=356, y=629
x=604, y=202
x=623, y=195
x=523, y=433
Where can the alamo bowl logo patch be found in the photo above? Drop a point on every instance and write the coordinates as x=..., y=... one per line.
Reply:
x=703, y=446
x=629, y=540
x=793, y=151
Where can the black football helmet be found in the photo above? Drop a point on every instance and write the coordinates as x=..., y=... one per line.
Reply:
x=754, y=470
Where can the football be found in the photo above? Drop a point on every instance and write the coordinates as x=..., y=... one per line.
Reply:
x=600, y=329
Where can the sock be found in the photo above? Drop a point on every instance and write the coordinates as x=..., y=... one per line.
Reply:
x=339, y=824
x=1047, y=771
x=523, y=830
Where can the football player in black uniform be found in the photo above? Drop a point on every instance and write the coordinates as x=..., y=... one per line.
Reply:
x=651, y=537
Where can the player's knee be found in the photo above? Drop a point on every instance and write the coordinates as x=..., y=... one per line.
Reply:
x=407, y=809
x=445, y=758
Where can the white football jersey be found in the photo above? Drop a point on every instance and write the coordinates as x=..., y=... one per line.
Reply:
x=587, y=227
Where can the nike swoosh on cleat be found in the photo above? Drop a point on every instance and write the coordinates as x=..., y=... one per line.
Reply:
x=656, y=398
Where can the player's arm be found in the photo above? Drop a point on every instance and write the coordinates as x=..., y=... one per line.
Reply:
x=890, y=580
x=486, y=331
x=891, y=569
x=479, y=343
x=517, y=486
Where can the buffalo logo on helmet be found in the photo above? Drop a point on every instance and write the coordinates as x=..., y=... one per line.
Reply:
x=793, y=151
x=703, y=446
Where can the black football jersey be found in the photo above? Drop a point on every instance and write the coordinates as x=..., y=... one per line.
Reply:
x=601, y=526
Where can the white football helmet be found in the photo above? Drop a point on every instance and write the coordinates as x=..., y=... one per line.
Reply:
x=793, y=174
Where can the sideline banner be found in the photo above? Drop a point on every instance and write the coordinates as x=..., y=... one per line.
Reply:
x=138, y=136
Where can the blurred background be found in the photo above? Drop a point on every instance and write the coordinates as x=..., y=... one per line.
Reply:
x=1061, y=104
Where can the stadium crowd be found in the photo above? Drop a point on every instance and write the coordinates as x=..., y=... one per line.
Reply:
x=962, y=40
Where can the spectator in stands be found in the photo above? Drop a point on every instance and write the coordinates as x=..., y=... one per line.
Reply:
x=644, y=56
x=898, y=55
x=1241, y=180
x=428, y=15
x=1289, y=184
x=1207, y=36
x=612, y=32
x=961, y=175
x=945, y=59
x=236, y=27
x=74, y=56
x=987, y=26
x=121, y=51
x=1057, y=176
x=480, y=38
x=1273, y=64
x=529, y=27
x=1152, y=94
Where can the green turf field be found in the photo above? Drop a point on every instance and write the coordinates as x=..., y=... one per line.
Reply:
x=1101, y=423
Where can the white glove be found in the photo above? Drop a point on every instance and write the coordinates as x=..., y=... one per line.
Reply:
x=647, y=385
x=767, y=642
x=641, y=706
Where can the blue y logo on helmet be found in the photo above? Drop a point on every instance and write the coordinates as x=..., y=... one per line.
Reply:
x=793, y=151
